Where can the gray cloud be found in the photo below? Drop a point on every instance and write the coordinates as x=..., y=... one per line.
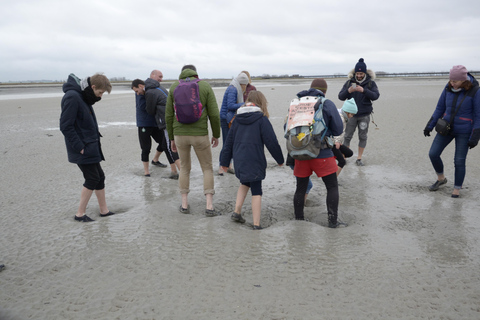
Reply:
x=50, y=39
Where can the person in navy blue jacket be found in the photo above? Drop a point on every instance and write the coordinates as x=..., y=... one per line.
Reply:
x=232, y=100
x=362, y=87
x=324, y=165
x=82, y=138
x=460, y=99
x=250, y=132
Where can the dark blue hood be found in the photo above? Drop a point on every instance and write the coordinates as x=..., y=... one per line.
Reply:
x=73, y=83
x=248, y=115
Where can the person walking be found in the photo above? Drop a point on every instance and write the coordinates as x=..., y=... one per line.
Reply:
x=232, y=100
x=361, y=87
x=79, y=126
x=250, y=133
x=147, y=128
x=458, y=110
x=324, y=165
x=194, y=135
x=156, y=100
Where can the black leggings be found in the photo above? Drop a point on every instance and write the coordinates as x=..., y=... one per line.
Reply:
x=331, y=184
x=344, y=152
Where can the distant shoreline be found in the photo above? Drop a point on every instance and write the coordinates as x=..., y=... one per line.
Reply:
x=226, y=82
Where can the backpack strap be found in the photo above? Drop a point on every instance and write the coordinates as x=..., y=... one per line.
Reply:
x=162, y=90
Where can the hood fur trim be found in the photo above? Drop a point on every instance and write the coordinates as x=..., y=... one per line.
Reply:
x=370, y=72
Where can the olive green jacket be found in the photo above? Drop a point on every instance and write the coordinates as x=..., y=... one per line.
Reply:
x=199, y=128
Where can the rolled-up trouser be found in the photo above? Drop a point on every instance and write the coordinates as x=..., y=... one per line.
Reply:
x=201, y=146
x=94, y=176
x=362, y=123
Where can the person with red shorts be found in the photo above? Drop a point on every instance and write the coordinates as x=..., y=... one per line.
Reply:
x=324, y=165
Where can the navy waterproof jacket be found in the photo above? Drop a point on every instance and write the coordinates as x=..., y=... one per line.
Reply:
x=250, y=132
x=362, y=99
x=467, y=118
x=79, y=125
x=143, y=118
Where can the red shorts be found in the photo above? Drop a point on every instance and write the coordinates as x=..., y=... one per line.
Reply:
x=322, y=167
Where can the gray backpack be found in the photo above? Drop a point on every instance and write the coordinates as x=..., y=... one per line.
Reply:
x=305, y=129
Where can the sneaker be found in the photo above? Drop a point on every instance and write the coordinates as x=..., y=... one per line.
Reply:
x=257, y=227
x=183, y=210
x=211, y=213
x=159, y=164
x=174, y=176
x=237, y=218
x=437, y=184
x=336, y=224
x=359, y=163
x=83, y=218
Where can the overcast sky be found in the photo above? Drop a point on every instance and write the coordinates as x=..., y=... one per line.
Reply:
x=49, y=39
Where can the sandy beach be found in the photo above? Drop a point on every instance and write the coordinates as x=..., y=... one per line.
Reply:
x=407, y=253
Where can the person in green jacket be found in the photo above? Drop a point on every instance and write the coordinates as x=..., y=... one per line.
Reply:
x=185, y=136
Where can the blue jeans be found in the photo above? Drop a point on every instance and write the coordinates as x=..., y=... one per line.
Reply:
x=461, y=149
x=225, y=130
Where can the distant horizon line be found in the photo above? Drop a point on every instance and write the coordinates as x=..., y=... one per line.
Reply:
x=379, y=74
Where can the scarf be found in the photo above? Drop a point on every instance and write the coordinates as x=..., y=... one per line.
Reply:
x=88, y=93
x=237, y=86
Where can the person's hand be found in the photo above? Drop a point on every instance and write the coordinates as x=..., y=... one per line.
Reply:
x=214, y=142
x=337, y=145
x=472, y=143
x=426, y=132
x=173, y=146
x=81, y=152
x=359, y=89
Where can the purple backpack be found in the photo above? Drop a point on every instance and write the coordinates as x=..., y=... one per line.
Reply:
x=188, y=108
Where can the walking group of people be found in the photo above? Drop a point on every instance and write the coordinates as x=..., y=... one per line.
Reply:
x=246, y=130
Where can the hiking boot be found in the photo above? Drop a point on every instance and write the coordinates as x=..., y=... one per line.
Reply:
x=211, y=213
x=237, y=218
x=257, y=227
x=159, y=164
x=336, y=224
x=359, y=163
x=437, y=184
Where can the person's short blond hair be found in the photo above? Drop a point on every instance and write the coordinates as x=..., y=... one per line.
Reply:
x=101, y=82
x=258, y=99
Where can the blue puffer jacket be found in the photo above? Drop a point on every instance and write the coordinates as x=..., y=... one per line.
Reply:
x=250, y=132
x=143, y=118
x=229, y=104
x=79, y=125
x=467, y=119
x=331, y=117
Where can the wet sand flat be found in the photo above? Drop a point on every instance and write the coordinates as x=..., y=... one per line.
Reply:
x=407, y=253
